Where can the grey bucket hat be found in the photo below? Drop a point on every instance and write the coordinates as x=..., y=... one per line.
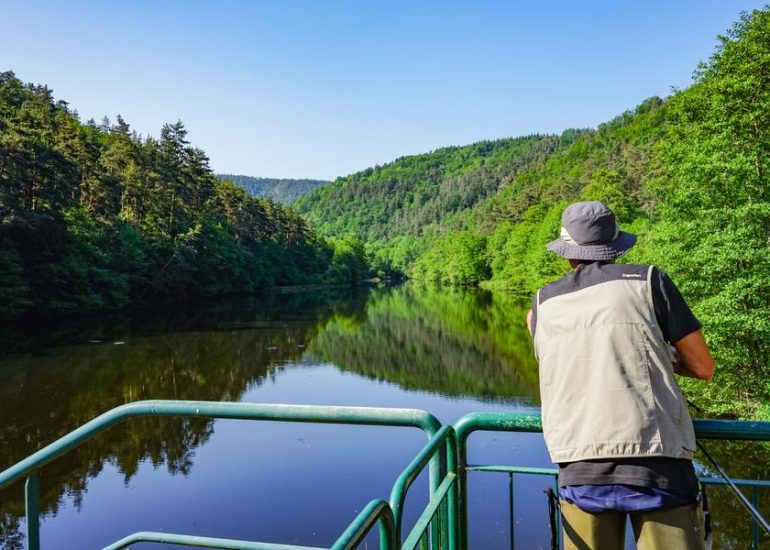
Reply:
x=590, y=232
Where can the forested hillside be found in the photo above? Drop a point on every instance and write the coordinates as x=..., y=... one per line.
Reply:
x=285, y=191
x=391, y=207
x=96, y=216
x=688, y=173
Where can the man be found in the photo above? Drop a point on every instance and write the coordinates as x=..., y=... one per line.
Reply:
x=609, y=339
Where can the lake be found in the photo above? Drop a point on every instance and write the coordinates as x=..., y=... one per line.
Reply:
x=448, y=351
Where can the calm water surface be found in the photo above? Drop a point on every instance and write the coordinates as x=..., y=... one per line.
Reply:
x=445, y=350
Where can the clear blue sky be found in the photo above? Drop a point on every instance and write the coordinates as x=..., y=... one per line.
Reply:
x=321, y=89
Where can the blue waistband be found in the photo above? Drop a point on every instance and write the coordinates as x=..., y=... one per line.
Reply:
x=596, y=499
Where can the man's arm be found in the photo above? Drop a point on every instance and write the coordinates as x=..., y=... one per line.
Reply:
x=529, y=321
x=680, y=327
x=693, y=357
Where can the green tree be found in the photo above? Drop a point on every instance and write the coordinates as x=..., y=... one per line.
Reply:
x=14, y=290
x=714, y=212
x=348, y=263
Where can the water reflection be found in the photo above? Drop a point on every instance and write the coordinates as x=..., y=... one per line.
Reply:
x=447, y=350
x=48, y=388
x=457, y=342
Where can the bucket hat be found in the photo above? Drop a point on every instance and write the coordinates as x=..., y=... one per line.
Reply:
x=590, y=232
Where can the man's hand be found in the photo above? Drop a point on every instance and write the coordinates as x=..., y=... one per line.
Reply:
x=692, y=357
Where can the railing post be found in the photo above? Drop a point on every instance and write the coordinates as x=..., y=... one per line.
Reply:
x=754, y=526
x=435, y=474
x=461, y=458
x=387, y=536
x=452, y=497
x=512, y=516
x=485, y=421
x=462, y=493
x=32, y=506
x=559, y=531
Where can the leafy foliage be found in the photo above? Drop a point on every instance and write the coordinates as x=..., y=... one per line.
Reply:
x=457, y=258
x=95, y=216
x=713, y=229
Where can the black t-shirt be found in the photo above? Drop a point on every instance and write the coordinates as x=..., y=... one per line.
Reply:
x=660, y=472
x=674, y=316
x=676, y=321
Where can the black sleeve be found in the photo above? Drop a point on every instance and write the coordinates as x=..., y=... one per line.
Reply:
x=533, y=324
x=674, y=316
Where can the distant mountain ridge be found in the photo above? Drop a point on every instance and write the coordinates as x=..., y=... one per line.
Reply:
x=284, y=191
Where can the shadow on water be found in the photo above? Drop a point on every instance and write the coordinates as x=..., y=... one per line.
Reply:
x=456, y=343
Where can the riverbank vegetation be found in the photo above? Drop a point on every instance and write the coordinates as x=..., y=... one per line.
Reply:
x=94, y=216
x=688, y=173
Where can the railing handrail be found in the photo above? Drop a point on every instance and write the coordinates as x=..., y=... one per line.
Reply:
x=201, y=542
x=373, y=416
x=388, y=514
x=377, y=511
x=737, y=430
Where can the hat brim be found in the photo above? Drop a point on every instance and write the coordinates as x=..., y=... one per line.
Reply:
x=605, y=251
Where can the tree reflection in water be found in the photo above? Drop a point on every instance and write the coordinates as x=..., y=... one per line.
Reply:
x=453, y=342
x=210, y=352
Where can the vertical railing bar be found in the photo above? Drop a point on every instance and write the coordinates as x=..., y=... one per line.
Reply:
x=559, y=541
x=451, y=497
x=447, y=534
x=32, y=511
x=452, y=509
x=511, y=518
x=435, y=532
x=450, y=462
x=754, y=525
x=462, y=498
x=437, y=522
x=436, y=473
x=387, y=531
x=442, y=525
x=449, y=525
x=442, y=528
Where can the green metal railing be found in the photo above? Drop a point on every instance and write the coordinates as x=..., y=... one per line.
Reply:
x=440, y=515
x=473, y=422
x=376, y=511
x=505, y=422
x=442, y=523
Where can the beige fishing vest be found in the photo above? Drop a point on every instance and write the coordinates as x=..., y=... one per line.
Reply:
x=607, y=383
